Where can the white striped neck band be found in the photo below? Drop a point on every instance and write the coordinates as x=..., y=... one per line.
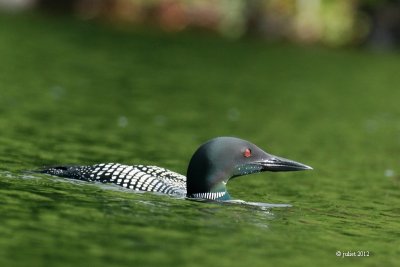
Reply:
x=209, y=195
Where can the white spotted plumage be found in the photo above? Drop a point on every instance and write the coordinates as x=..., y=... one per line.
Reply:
x=136, y=177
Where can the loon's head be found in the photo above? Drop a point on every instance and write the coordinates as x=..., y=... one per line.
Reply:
x=223, y=158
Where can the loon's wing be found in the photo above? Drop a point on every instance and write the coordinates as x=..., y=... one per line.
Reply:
x=136, y=177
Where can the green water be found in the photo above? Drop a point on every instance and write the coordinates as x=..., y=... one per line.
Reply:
x=81, y=93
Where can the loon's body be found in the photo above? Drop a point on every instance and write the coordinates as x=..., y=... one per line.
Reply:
x=136, y=177
x=210, y=168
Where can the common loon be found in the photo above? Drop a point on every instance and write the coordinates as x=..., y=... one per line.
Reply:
x=210, y=168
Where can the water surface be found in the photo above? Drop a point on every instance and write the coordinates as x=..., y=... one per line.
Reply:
x=82, y=93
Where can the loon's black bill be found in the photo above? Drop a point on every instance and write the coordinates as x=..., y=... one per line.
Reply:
x=277, y=164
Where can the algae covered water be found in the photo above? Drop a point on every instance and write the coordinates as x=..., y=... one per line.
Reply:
x=80, y=93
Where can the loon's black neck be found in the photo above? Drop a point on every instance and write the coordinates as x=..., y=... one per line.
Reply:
x=204, y=177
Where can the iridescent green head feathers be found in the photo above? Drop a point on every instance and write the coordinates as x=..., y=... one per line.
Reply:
x=223, y=158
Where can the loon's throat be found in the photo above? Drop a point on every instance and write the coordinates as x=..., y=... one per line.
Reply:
x=214, y=192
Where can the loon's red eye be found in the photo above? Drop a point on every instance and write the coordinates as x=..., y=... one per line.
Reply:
x=247, y=153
